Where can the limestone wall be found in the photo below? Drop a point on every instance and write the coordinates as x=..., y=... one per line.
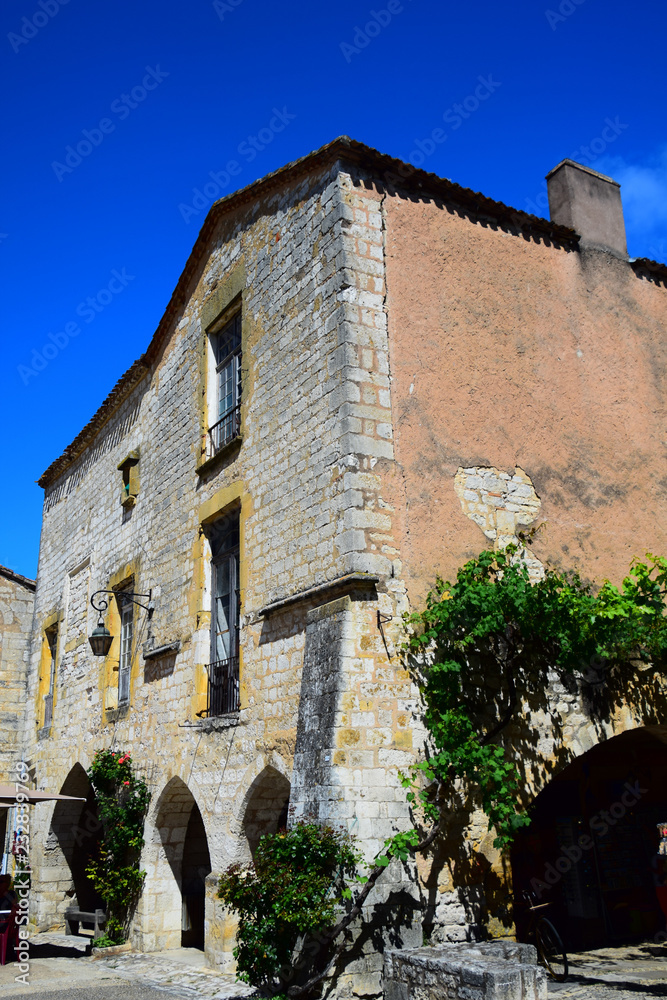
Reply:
x=308, y=268
x=16, y=608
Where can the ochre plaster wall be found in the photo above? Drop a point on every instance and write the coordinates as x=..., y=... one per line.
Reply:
x=506, y=352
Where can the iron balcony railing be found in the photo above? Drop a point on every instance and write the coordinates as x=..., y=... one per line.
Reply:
x=224, y=431
x=223, y=687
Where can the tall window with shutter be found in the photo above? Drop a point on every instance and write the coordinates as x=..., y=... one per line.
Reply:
x=227, y=349
x=51, y=635
x=125, y=658
x=223, y=670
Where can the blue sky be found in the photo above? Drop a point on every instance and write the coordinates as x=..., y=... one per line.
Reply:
x=156, y=96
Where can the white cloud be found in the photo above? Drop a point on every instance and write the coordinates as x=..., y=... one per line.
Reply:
x=644, y=194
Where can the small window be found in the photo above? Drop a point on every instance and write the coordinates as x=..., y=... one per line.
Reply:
x=223, y=671
x=125, y=657
x=227, y=412
x=129, y=468
x=51, y=635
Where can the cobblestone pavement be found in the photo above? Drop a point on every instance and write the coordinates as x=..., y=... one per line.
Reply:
x=630, y=973
x=61, y=968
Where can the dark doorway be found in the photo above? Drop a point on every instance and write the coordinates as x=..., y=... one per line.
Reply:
x=183, y=897
x=591, y=849
x=196, y=866
x=75, y=830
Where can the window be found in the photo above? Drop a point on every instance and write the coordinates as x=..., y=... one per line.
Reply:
x=129, y=467
x=223, y=670
x=227, y=411
x=125, y=657
x=51, y=635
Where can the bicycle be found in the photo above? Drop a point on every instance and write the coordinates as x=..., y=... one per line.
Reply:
x=550, y=948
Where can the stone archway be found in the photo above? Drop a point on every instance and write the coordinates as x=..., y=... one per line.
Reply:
x=591, y=849
x=178, y=862
x=72, y=841
x=267, y=803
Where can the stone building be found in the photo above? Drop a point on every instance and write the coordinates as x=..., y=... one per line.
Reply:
x=365, y=374
x=17, y=595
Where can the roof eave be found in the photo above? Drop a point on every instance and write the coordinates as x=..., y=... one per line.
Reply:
x=392, y=172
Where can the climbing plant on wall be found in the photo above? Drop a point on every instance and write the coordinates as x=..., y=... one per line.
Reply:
x=122, y=799
x=488, y=647
x=486, y=650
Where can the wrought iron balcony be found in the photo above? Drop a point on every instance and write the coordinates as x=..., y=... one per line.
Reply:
x=223, y=687
x=224, y=431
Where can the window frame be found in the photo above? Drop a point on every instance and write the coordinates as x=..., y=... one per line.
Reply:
x=129, y=469
x=51, y=636
x=224, y=671
x=226, y=380
x=125, y=643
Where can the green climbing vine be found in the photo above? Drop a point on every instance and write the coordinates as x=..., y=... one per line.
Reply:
x=122, y=799
x=490, y=643
x=485, y=650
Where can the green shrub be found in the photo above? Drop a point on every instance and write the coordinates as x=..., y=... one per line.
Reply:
x=293, y=888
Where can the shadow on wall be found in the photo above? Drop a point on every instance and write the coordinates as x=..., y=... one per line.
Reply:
x=587, y=711
x=185, y=845
x=72, y=842
x=590, y=851
x=267, y=806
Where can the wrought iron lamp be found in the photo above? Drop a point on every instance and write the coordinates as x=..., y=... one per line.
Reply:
x=101, y=639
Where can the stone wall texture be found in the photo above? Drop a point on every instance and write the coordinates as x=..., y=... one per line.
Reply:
x=17, y=595
x=390, y=345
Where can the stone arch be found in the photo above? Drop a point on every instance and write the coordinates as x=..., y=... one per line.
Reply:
x=177, y=864
x=265, y=806
x=72, y=841
x=591, y=848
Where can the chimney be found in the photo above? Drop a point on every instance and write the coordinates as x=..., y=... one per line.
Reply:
x=589, y=203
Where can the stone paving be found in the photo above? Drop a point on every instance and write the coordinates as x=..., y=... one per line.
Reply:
x=629, y=973
x=60, y=967
x=59, y=963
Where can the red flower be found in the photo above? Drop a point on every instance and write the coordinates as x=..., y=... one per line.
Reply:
x=126, y=782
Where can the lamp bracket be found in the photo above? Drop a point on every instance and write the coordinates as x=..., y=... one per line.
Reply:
x=122, y=595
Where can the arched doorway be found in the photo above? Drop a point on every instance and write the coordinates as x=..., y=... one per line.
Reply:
x=185, y=845
x=72, y=842
x=267, y=806
x=591, y=849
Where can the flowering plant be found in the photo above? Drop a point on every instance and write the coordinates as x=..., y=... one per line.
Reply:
x=122, y=799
